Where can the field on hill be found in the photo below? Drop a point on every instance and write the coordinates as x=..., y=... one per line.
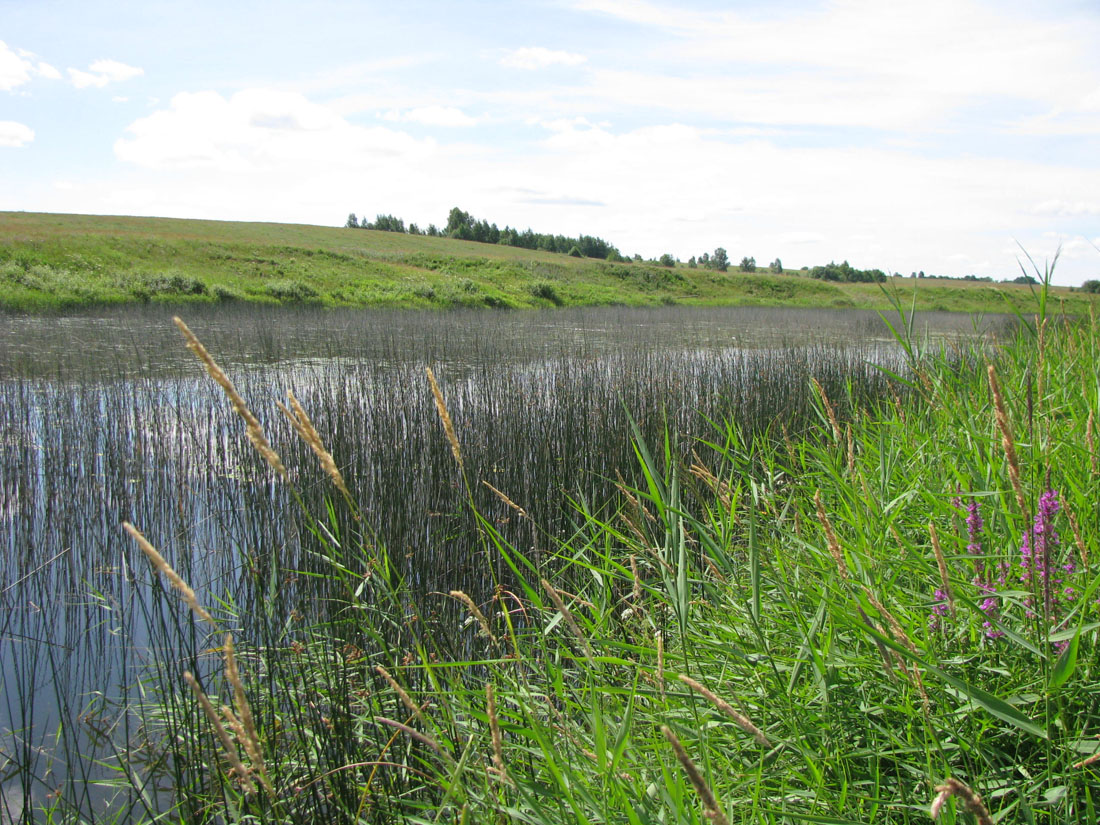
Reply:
x=59, y=262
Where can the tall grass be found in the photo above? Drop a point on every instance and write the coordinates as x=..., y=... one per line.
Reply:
x=756, y=629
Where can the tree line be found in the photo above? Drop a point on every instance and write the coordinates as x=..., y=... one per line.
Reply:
x=463, y=226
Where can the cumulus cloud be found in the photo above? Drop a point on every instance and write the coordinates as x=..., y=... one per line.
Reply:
x=18, y=66
x=102, y=72
x=15, y=135
x=256, y=129
x=432, y=116
x=537, y=57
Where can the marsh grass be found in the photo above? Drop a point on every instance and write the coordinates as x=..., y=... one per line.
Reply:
x=745, y=562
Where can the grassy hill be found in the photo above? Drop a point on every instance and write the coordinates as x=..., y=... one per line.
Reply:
x=52, y=262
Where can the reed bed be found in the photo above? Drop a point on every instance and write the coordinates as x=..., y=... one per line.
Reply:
x=712, y=606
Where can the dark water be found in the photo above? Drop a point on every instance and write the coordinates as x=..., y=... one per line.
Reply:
x=107, y=418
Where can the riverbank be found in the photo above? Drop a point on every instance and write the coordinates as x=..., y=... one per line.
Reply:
x=51, y=263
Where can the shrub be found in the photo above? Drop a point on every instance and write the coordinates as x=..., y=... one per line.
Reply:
x=174, y=284
x=546, y=292
x=290, y=291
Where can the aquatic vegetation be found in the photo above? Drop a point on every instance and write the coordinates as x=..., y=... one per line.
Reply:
x=728, y=619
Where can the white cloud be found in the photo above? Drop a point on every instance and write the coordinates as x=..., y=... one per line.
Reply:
x=1065, y=208
x=537, y=57
x=432, y=116
x=18, y=67
x=102, y=72
x=257, y=129
x=903, y=65
x=47, y=71
x=15, y=135
x=14, y=70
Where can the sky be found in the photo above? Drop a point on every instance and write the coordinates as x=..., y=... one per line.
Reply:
x=955, y=137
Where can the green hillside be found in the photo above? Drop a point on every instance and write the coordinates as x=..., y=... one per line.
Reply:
x=50, y=262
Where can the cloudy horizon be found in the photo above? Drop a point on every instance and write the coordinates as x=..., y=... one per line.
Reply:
x=954, y=137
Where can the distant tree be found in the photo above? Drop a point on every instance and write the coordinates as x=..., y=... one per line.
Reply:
x=748, y=264
x=637, y=258
x=667, y=260
x=433, y=230
x=386, y=223
x=776, y=266
x=457, y=220
x=414, y=229
x=353, y=222
x=720, y=260
x=1091, y=286
x=704, y=261
x=1021, y=279
x=575, y=253
x=691, y=263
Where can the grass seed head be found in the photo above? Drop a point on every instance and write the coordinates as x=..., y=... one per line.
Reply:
x=445, y=417
x=830, y=537
x=969, y=798
x=304, y=427
x=163, y=567
x=230, y=749
x=710, y=803
x=252, y=425
x=739, y=719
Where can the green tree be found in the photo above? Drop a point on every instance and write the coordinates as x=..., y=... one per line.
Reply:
x=456, y=221
x=667, y=260
x=353, y=221
x=776, y=266
x=720, y=260
x=748, y=264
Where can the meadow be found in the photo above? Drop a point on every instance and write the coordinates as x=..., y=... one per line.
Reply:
x=52, y=263
x=617, y=581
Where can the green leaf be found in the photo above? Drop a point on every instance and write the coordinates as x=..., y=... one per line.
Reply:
x=1065, y=665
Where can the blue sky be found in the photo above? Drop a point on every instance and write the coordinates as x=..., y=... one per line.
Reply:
x=940, y=135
